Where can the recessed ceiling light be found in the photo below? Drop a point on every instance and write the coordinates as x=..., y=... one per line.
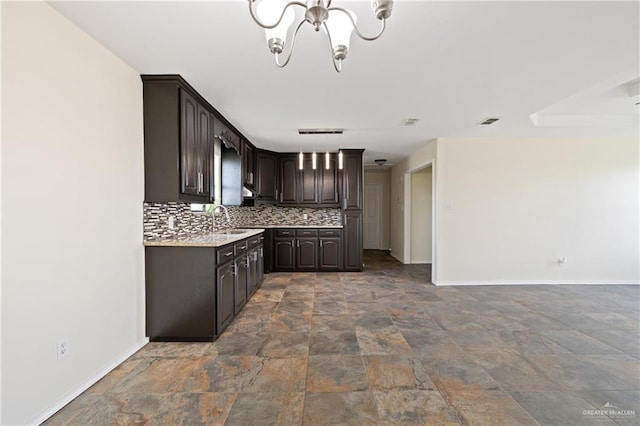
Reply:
x=409, y=122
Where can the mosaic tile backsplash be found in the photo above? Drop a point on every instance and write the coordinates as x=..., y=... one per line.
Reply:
x=186, y=222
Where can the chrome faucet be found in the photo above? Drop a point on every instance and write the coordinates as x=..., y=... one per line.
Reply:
x=226, y=214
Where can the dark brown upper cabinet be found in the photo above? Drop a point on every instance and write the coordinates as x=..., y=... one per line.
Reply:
x=308, y=182
x=309, y=187
x=266, y=171
x=352, y=176
x=177, y=141
x=288, y=179
x=328, y=181
x=248, y=164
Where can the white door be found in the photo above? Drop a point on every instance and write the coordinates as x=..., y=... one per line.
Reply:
x=371, y=212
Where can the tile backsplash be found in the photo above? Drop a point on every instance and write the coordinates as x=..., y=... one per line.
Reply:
x=156, y=219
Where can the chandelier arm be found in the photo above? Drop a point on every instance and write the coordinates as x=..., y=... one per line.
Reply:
x=337, y=64
x=269, y=27
x=375, y=37
x=293, y=44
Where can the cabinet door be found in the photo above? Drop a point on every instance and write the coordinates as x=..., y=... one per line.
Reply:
x=260, y=276
x=252, y=271
x=306, y=254
x=288, y=179
x=189, y=146
x=352, y=232
x=308, y=182
x=328, y=182
x=284, y=254
x=205, y=152
x=248, y=171
x=240, y=283
x=266, y=166
x=352, y=179
x=225, y=294
x=330, y=254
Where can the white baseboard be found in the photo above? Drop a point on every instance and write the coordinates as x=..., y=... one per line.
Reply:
x=421, y=262
x=71, y=395
x=538, y=282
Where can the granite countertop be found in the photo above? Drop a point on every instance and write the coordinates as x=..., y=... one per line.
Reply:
x=210, y=239
x=296, y=226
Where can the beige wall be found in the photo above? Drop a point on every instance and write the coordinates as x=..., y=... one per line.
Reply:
x=383, y=178
x=72, y=191
x=421, y=216
x=507, y=209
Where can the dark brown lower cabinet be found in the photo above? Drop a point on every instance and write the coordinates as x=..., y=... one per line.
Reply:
x=352, y=237
x=180, y=293
x=261, y=263
x=252, y=271
x=240, y=283
x=194, y=293
x=226, y=295
x=284, y=254
x=330, y=258
x=307, y=249
x=306, y=253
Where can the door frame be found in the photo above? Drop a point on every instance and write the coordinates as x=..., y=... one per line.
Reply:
x=379, y=215
x=407, y=216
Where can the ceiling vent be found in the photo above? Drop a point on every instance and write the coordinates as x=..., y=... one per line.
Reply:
x=409, y=121
x=320, y=131
x=490, y=120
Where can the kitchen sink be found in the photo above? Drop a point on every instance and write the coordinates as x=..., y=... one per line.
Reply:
x=231, y=231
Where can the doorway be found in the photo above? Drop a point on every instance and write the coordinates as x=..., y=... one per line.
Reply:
x=421, y=216
x=372, y=216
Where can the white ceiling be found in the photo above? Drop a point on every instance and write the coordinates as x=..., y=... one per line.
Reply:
x=450, y=64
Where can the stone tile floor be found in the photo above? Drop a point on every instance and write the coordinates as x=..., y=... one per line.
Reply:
x=385, y=347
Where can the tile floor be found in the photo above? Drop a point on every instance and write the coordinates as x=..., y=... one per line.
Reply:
x=385, y=347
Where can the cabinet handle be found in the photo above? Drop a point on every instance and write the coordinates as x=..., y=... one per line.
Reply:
x=243, y=247
x=298, y=243
x=228, y=254
x=281, y=197
x=320, y=243
x=344, y=203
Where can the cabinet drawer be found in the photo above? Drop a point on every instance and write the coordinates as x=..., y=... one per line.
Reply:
x=241, y=247
x=307, y=232
x=224, y=254
x=285, y=232
x=330, y=232
x=254, y=241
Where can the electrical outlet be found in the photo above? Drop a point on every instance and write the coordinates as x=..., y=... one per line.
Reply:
x=171, y=222
x=562, y=260
x=63, y=349
x=305, y=216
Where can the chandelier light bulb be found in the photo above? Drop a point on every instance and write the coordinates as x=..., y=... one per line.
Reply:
x=340, y=28
x=269, y=11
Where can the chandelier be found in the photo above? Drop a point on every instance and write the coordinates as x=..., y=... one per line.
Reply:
x=276, y=17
